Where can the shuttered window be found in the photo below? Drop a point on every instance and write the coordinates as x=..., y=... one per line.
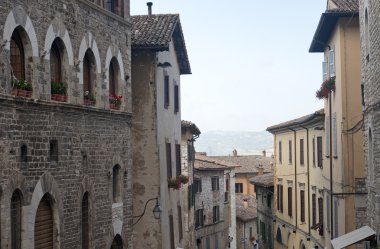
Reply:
x=334, y=134
x=280, y=198
x=314, y=208
x=171, y=229
x=215, y=212
x=169, y=160
x=16, y=208
x=176, y=98
x=302, y=159
x=313, y=145
x=319, y=151
x=17, y=56
x=215, y=183
x=166, y=91
x=327, y=136
x=44, y=225
x=199, y=218
x=332, y=63
x=178, y=159
x=302, y=199
x=290, y=201
x=324, y=71
x=85, y=222
x=55, y=63
x=290, y=152
x=180, y=232
x=320, y=211
x=280, y=151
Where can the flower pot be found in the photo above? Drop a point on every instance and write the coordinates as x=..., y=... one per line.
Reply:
x=89, y=102
x=59, y=97
x=24, y=93
x=114, y=106
x=14, y=91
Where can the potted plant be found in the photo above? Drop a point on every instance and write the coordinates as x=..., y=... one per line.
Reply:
x=59, y=91
x=174, y=183
x=183, y=179
x=22, y=88
x=327, y=87
x=115, y=101
x=89, y=98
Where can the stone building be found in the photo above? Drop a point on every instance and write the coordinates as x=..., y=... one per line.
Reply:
x=337, y=38
x=190, y=132
x=159, y=58
x=265, y=208
x=246, y=221
x=215, y=212
x=299, y=183
x=369, y=15
x=65, y=167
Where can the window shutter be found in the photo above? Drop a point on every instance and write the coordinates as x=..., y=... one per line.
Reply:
x=166, y=91
x=332, y=63
x=319, y=151
x=324, y=70
x=282, y=196
x=176, y=98
x=328, y=211
x=327, y=136
x=278, y=197
x=335, y=144
x=302, y=193
x=313, y=151
x=290, y=151
x=280, y=151
x=169, y=160
x=314, y=205
x=290, y=202
x=320, y=209
x=178, y=159
x=301, y=152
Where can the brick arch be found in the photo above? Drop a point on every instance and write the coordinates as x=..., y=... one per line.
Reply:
x=58, y=30
x=15, y=182
x=113, y=52
x=19, y=17
x=88, y=42
x=46, y=185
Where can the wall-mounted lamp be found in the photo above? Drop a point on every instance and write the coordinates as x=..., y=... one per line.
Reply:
x=156, y=211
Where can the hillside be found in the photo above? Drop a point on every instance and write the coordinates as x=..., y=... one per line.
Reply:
x=221, y=143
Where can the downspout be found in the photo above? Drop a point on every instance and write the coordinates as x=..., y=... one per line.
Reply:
x=308, y=174
x=331, y=173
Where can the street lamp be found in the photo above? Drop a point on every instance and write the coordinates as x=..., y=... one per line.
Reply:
x=156, y=210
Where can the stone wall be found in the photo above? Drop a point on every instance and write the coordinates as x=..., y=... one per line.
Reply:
x=370, y=47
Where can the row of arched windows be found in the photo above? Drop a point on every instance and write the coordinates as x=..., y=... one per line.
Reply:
x=59, y=69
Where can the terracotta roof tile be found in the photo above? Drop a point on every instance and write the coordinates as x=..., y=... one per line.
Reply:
x=248, y=163
x=191, y=126
x=266, y=180
x=345, y=6
x=296, y=121
x=207, y=163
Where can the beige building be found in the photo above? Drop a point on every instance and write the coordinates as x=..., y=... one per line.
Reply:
x=337, y=37
x=298, y=185
x=159, y=58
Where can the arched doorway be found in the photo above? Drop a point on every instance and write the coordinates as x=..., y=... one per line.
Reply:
x=44, y=225
x=117, y=242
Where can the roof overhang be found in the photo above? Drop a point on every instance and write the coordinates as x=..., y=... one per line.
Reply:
x=326, y=26
x=352, y=237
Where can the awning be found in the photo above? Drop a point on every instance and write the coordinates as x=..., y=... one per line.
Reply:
x=352, y=237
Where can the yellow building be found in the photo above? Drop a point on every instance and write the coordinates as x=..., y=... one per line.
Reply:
x=338, y=38
x=298, y=185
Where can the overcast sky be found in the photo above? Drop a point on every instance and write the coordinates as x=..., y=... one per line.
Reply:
x=249, y=58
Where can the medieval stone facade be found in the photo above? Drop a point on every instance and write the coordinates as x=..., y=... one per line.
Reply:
x=65, y=167
x=369, y=33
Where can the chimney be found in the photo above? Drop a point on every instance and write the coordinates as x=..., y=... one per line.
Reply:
x=149, y=4
x=234, y=152
x=264, y=153
x=261, y=170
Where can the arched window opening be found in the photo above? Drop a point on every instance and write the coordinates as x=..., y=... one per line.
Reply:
x=89, y=77
x=113, y=77
x=16, y=208
x=17, y=56
x=117, y=242
x=55, y=63
x=116, y=184
x=44, y=225
x=85, y=222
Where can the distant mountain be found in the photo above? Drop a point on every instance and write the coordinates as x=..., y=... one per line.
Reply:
x=222, y=143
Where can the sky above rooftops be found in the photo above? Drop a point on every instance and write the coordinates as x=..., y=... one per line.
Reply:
x=250, y=64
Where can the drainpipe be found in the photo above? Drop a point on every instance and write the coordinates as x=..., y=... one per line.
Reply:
x=331, y=173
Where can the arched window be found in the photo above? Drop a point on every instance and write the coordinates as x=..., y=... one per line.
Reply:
x=44, y=225
x=88, y=74
x=116, y=182
x=16, y=208
x=113, y=77
x=55, y=63
x=17, y=56
x=85, y=222
x=117, y=242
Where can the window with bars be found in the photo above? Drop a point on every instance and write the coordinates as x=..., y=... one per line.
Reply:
x=169, y=160
x=290, y=201
x=215, y=183
x=302, y=202
x=215, y=214
x=178, y=159
x=302, y=154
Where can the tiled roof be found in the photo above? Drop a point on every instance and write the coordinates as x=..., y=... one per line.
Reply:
x=191, y=126
x=345, y=6
x=266, y=180
x=297, y=121
x=248, y=163
x=248, y=212
x=155, y=32
x=207, y=163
